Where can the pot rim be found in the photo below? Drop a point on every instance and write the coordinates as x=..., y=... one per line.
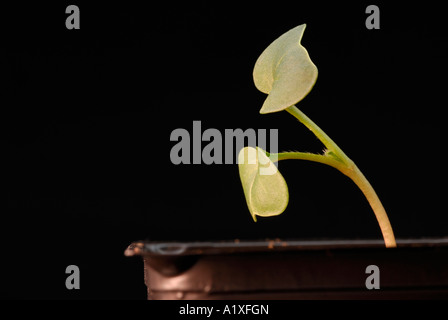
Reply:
x=188, y=248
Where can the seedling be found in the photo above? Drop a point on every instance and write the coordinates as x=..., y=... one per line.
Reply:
x=286, y=73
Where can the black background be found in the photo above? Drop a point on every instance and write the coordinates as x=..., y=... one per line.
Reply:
x=86, y=117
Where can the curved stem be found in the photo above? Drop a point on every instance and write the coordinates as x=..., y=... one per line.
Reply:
x=377, y=207
x=321, y=158
x=320, y=134
x=336, y=158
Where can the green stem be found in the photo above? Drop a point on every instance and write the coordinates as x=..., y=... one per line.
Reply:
x=336, y=158
x=321, y=158
x=320, y=134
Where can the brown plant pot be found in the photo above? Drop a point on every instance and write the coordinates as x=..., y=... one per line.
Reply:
x=275, y=269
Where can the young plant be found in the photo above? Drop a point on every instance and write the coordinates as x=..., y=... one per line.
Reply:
x=286, y=73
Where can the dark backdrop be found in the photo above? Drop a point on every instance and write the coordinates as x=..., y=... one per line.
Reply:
x=86, y=117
